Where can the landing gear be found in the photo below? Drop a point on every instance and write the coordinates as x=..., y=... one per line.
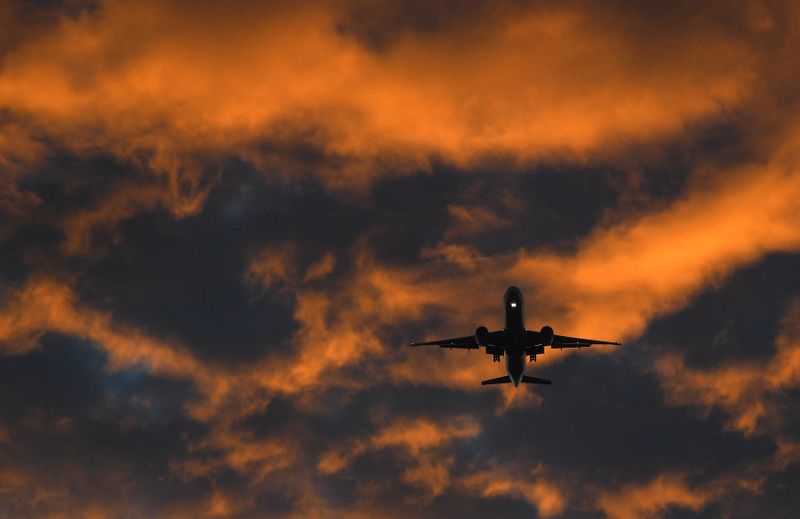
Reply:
x=496, y=357
x=533, y=357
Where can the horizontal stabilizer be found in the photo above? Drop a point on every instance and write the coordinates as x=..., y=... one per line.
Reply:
x=534, y=380
x=498, y=380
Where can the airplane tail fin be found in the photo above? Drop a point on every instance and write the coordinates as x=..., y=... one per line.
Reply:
x=498, y=380
x=534, y=380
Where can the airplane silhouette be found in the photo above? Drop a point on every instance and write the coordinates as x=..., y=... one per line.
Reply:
x=514, y=342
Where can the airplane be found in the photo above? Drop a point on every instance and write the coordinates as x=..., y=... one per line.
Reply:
x=514, y=342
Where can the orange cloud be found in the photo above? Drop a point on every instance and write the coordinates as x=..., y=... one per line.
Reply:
x=423, y=445
x=670, y=490
x=321, y=268
x=467, y=221
x=253, y=457
x=414, y=435
x=624, y=275
x=44, y=306
x=166, y=79
x=431, y=473
x=27, y=491
x=514, y=399
x=81, y=228
x=641, y=501
x=222, y=505
x=271, y=265
x=335, y=321
x=171, y=89
x=748, y=391
x=620, y=278
x=339, y=326
x=534, y=488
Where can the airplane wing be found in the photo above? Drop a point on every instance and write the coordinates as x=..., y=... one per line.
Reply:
x=466, y=343
x=562, y=341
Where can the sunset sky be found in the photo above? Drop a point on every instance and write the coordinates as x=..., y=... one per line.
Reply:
x=221, y=223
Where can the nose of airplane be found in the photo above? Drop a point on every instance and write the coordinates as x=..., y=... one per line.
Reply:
x=513, y=297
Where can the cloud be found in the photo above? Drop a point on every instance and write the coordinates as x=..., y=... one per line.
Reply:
x=676, y=490
x=423, y=444
x=621, y=276
x=535, y=488
x=322, y=268
x=340, y=324
x=419, y=434
x=414, y=435
x=748, y=391
x=627, y=273
x=651, y=499
x=271, y=265
x=47, y=306
x=514, y=399
x=172, y=91
x=254, y=77
x=467, y=221
x=82, y=227
x=624, y=275
x=29, y=490
x=44, y=305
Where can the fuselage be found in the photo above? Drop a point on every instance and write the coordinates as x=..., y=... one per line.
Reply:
x=515, y=334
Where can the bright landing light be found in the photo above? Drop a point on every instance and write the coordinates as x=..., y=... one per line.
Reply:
x=513, y=305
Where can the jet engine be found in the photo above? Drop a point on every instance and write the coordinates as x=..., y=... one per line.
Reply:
x=546, y=335
x=481, y=335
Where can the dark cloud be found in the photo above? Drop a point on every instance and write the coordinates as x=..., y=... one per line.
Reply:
x=738, y=320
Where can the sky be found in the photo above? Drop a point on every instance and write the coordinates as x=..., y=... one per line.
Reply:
x=221, y=224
